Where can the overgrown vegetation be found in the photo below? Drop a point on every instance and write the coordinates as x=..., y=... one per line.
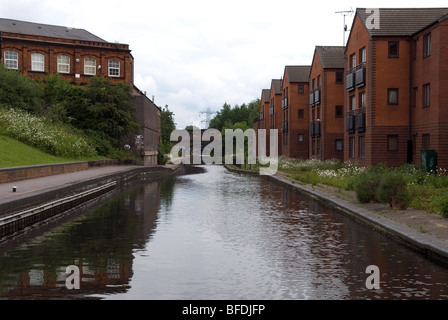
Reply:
x=64, y=119
x=167, y=126
x=402, y=187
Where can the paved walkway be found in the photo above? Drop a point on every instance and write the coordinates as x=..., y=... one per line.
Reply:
x=32, y=186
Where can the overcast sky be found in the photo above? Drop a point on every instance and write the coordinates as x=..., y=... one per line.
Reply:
x=194, y=55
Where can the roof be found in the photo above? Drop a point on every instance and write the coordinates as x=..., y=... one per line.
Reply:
x=331, y=57
x=46, y=30
x=265, y=93
x=298, y=73
x=277, y=85
x=401, y=21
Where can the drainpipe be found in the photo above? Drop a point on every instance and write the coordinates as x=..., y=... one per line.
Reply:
x=410, y=144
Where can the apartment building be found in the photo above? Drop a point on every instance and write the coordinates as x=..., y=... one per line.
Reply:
x=295, y=112
x=264, y=121
x=37, y=49
x=326, y=103
x=275, y=111
x=394, y=86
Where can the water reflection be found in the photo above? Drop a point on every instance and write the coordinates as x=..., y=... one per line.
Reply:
x=212, y=234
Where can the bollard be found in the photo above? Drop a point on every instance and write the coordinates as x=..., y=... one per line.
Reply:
x=14, y=189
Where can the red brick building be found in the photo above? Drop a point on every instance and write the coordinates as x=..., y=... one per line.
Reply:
x=326, y=101
x=275, y=110
x=395, y=89
x=264, y=121
x=295, y=112
x=36, y=49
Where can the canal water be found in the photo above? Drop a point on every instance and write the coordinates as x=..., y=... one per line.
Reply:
x=211, y=234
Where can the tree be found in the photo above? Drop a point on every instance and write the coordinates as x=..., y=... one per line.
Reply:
x=18, y=91
x=167, y=125
x=105, y=109
x=228, y=116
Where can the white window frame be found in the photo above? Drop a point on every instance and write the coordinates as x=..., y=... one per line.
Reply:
x=37, y=62
x=63, y=66
x=90, y=66
x=114, y=70
x=11, y=59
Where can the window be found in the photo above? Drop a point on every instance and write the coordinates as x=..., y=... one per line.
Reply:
x=37, y=62
x=301, y=89
x=392, y=143
x=426, y=95
x=352, y=102
x=362, y=55
x=426, y=45
x=318, y=81
x=313, y=84
x=300, y=138
x=392, y=96
x=301, y=113
x=426, y=141
x=339, y=77
x=362, y=100
x=63, y=64
x=351, y=150
x=361, y=147
x=339, y=145
x=393, y=49
x=318, y=147
x=11, y=60
x=318, y=114
x=339, y=112
x=114, y=68
x=352, y=61
x=90, y=66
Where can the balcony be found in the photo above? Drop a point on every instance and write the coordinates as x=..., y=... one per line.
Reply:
x=317, y=96
x=356, y=120
x=315, y=128
x=360, y=75
x=285, y=103
x=350, y=80
x=312, y=99
x=284, y=126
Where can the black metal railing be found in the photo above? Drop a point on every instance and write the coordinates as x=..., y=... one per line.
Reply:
x=356, y=120
x=315, y=128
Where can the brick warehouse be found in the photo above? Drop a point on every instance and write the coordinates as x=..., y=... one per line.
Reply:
x=36, y=49
x=395, y=94
x=326, y=101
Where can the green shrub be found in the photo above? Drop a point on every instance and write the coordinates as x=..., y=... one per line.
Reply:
x=366, y=186
x=441, y=204
x=393, y=190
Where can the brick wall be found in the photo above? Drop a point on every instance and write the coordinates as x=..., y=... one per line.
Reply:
x=77, y=50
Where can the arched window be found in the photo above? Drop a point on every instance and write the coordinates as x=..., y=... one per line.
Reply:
x=63, y=64
x=114, y=68
x=11, y=60
x=90, y=66
x=37, y=62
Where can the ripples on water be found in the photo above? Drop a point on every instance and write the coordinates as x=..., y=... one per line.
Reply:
x=220, y=235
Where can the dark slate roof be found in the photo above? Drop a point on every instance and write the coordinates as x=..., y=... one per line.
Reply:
x=265, y=94
x=298, y=73
x=277, y=85
x=46, y=30
x=331, y=57
x=402, y=21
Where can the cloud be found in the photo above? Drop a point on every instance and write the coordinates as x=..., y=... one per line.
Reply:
x=198, y=54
